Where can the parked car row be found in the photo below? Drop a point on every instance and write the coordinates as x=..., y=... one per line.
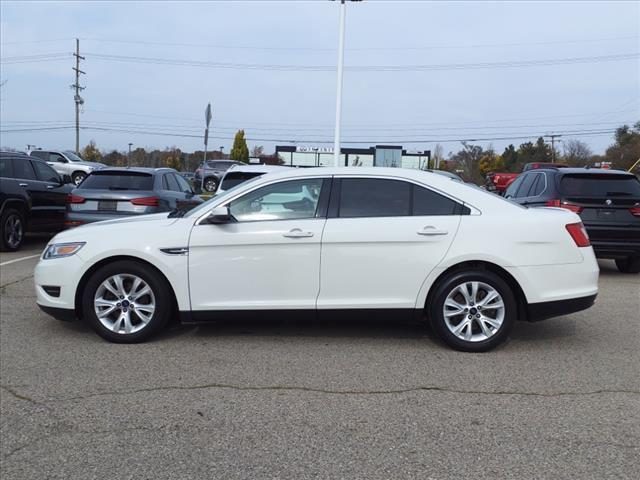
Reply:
x=36, y=198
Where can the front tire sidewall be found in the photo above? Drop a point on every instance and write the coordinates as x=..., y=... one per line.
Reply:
x=210, y=184
x=158, y=284
x=78, y=178
x=444, y=287
x=4, y=244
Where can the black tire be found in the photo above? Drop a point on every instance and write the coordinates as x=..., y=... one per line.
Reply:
x=445, y=286
x=164, y=307
x=12, y=230
x=78, y=177
x=210, y=184
x=629, y=264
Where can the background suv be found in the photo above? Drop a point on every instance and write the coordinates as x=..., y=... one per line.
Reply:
x=118, y=192
x=608, y=201
x=212, y=172
x=67, y=163
x=32, y=198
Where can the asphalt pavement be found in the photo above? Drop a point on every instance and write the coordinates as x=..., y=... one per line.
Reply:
x=328, y=400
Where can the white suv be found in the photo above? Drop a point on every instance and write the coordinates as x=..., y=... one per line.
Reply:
x=67, y=163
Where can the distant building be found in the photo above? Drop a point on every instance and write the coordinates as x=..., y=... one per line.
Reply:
x=378, y=156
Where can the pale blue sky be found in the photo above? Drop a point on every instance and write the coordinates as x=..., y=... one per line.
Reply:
x=379, y=106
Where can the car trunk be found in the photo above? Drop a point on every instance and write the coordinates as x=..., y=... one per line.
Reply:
x=113, y=202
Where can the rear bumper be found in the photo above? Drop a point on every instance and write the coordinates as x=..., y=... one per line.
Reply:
x=614, y=240
x=544, y=310
x=606, y=249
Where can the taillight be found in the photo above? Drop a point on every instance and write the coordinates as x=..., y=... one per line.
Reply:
x=146, y=201
x=71, y=198
x=635, y=211
x=560, y=204
x=579, y=234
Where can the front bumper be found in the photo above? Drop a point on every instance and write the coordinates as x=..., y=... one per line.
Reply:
x=63, y=314
x=58, y=272
x=544, y=310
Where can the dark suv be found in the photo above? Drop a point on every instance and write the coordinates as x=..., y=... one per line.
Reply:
x=608, y=201
x=32, y=198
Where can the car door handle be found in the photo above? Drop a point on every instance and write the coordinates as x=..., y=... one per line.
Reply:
x=297, y=233
x=23, y=184
x=50, y=187
x=431, y=230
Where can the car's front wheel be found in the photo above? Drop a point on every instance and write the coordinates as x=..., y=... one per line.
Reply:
x=210, y=184
x=127, y=302
x=78, y=177
x=472, y=311
x=629, y=264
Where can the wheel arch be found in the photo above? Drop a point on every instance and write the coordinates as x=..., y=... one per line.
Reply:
x=105, y=261
x=521, y=298
x=17, y=204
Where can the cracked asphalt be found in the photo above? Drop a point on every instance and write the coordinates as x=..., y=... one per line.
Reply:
x=342, y=399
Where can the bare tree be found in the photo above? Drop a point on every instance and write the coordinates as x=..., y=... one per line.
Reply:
x=257, y=150
x=438, y=155
x=576, y=153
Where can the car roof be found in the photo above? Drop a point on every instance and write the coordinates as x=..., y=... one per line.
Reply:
x=256, y=168
x=149, y=170
x=582, y=170
x=7, y=153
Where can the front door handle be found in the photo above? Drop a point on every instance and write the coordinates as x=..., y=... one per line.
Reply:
x=50, y=187
x=297, y=233
x=23, y=184
x=430, y=230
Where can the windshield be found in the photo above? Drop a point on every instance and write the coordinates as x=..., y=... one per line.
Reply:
x=72, y=156
x=117, y=181
x=233, y=179
x=603, y=185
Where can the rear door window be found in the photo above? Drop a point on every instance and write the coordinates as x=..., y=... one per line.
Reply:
x=526, y=184
x=538, y=186
x=22, y=169
x=513, y=188
x=170, y=183
x=599, y=185
x=6, y=170
x=45, y=173
x=374, y=197
x=427, y=202
x=40, y=154
x=183, y=184
x=124, y=180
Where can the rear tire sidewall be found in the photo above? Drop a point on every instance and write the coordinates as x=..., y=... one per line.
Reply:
x=628, y=264
x=444, y=287
x=209, y=180
x=4, y=244
x=157, y=283
x=78, y=175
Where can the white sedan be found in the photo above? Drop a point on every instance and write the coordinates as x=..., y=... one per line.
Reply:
x=381, y=241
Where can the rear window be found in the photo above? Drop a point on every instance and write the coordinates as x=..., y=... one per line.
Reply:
x=233, y=179
x=594, y=185
x=219, y=164
x=118, y=181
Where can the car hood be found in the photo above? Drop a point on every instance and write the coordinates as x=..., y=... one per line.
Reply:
x=116, y=227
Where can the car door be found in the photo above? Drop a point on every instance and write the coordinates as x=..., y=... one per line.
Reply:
x=269, y=258
x=382, y=239
x=26, y=176
x=59, y=163
x=50, y=195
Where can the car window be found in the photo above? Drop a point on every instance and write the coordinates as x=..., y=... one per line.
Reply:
x=600, y=185
x=523, y=191
x=538, y=186
x=427, y=202
x=513, y=188
x=292, y=199
x=170, y=183
x=6, y=170
x=22, y=169
x=374, y=197
x=40, y=154
x=117, y=180
x=183, y=184
x=232, y=179
x=45, y=173
x=56, y=157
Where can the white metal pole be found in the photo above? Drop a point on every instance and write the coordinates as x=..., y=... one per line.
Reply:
x=336, y=141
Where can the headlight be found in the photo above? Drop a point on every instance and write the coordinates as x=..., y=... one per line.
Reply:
x=59, y=250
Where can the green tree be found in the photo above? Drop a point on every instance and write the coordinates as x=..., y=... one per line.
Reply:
x=490, y=162
x=510, y=159
x=535, y=152
x=240, y=151
x=626, y=149
x=91, y=153
x=173, y=162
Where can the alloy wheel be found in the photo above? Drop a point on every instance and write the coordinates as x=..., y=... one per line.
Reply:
x=124, y=303
x=474, y=311
x=210, y=185
x=13, y=230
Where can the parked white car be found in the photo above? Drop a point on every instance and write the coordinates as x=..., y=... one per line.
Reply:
x=387, y=241
x=65, y=162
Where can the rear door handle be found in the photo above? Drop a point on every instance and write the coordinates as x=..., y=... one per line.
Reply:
x=50, y=187
x=297, y=233
x=23, y=184
x=430, y=230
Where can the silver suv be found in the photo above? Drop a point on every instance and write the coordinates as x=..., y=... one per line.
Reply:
x=67, y=163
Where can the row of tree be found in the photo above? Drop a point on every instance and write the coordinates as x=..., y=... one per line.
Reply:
x=475, y=162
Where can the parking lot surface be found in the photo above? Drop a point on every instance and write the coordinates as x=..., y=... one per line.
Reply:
x=307, y=399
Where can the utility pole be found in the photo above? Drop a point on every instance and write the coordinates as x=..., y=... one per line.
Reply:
x=336, y=137
x=129, y=156
x=77, y=99
x=553, y=137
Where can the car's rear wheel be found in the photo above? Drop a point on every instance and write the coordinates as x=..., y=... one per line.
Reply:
x=13, y=228
x=210, y=184
x=629, y=264
x=472, y=311
x=127, y=302
x=78, y=177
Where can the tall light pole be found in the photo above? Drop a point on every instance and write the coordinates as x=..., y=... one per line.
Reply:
x=336, y=137
x=207, y=121
x=129, y=156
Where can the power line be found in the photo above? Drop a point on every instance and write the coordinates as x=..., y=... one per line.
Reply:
x=364, y=68
x=42, y=57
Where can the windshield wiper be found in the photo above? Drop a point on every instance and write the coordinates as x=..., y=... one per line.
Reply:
x=121, y=188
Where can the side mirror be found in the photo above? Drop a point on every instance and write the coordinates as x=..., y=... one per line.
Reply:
x=66, y=179
x=220, y=215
